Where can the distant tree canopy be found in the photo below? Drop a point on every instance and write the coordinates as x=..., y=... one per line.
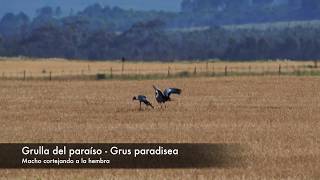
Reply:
x=12, y=24
x=100, y=32
x=227, y=5
x=220, y=12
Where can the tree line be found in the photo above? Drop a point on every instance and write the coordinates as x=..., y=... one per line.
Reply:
x=98, y=33
x=150, y=41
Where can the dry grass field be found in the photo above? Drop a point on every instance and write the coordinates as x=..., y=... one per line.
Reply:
x=277, y=118
x=15, y=67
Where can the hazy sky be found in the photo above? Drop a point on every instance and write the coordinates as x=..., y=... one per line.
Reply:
x=29, y=6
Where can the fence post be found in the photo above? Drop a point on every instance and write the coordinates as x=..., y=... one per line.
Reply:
x=24, y=75
x=207, y=67
x=316, y=64
x=195, y=70
x=122, y=68
x=279, y=69
x=111, y=75
x=169, y=71
x=226, y=70
x=213, y=71
x=123, y=61
x=50, y=76
x=249, y=69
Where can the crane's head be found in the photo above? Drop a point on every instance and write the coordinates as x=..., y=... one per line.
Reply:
x=156, y=90
x=134, y=98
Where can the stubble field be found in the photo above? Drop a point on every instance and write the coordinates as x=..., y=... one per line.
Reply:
x=16, y=68
x=277, y=118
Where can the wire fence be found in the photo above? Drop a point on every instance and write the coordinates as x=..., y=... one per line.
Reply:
x=160, y=73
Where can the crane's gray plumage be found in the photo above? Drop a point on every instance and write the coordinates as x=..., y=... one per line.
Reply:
x=164, y=96
x=167, y=92
x=142, y=99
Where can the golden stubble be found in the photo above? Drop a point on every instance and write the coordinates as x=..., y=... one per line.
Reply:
x=16, y=67
x=277, y=118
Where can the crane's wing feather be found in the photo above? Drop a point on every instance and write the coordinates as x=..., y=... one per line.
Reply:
x=167, y=92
